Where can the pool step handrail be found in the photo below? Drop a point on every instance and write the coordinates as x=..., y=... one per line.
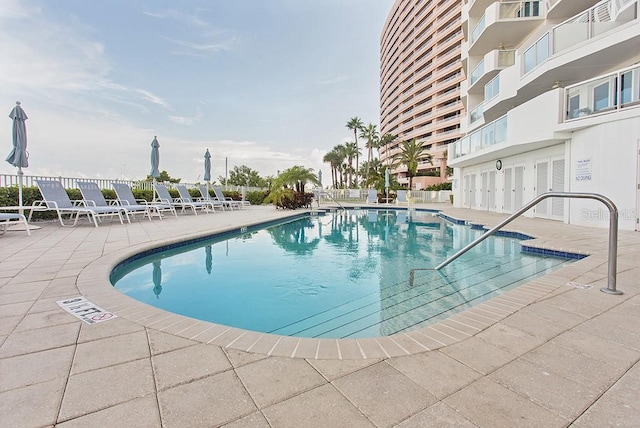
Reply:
x=613, y=232
x=327, y=194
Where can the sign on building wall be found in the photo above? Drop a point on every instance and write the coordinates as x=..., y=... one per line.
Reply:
x=583, y=169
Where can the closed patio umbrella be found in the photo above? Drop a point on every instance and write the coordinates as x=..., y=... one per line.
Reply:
x=19, y=156
x=157, y=278
x=208, y=259
x=155, y=158
x=207, y=166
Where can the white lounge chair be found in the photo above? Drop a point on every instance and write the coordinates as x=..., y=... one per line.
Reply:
x=55, y=198
x=185, y=196
x=227, y=201
x=204, y=192
x=401, y=198
x=127, y=200
x=8, y=219
x=164, y=197
x=372, y=196
x=93, y=197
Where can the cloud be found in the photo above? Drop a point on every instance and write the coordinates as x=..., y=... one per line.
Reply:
x=206, y=38
x=59, y=63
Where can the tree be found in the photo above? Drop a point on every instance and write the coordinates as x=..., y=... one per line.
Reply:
x=356, y=124
x=335, y=159
x=411, y=153
x=371, y=134
x=351, y=151
x=245, y=176
x=386, y=140
x=164, y=177
x=297, y=176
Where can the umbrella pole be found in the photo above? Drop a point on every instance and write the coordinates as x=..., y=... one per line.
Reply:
x=20, y=174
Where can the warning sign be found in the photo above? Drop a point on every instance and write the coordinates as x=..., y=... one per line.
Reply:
x=85, y=310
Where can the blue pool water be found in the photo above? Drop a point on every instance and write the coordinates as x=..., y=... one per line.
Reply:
x=343, y=274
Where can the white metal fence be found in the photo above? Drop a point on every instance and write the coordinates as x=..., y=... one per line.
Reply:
x=11, y=180
x=360, y=195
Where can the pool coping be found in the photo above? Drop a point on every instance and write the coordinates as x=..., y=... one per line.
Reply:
x=93, y=283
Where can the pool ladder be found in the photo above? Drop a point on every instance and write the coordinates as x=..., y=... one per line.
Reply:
x=613, y=232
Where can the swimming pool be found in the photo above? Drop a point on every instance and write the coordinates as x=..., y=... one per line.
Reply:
x=342, y=274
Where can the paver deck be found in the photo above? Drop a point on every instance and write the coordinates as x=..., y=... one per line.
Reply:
x=545, y=354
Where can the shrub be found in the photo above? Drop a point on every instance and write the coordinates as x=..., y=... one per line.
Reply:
x=290, y=199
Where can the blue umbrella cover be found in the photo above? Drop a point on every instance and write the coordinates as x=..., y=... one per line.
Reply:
x=19, y=156
x=155, y=158
x=207, y=166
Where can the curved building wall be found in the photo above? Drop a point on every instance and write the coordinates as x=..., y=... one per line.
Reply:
x=420, y=75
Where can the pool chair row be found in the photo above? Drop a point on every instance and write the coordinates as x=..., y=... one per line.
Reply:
x=95, y=206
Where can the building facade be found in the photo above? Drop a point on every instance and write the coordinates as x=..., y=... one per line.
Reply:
x=552, y=92
x=420, y=77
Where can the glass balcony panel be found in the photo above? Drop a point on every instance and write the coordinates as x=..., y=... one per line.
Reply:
x=571, y=32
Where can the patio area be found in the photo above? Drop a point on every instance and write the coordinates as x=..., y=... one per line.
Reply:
x=554, y=352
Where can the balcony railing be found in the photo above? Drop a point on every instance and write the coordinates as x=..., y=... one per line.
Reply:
x=520, y=9
x=490, y=134
x=478, y=29
x=477, y=72
x=593, y=22
x=605, y=94
x=476, y=113
x=492, y=89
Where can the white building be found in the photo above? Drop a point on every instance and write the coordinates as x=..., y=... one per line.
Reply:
x=553, y=101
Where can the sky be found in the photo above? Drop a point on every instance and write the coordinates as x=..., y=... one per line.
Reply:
x=264, y=83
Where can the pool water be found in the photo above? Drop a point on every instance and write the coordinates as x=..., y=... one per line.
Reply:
x=338, y=275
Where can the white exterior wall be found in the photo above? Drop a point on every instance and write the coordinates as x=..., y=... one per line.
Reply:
x=611, y=149
x=527, y=160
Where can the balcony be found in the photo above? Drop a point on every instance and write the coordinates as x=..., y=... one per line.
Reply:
x=603, y=95
x=589, y=24
x=490, y=134
x=490, y=66
x=559, y=9
x=517, y=19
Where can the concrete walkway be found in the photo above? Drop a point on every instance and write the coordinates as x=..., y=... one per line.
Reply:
x=545, y=354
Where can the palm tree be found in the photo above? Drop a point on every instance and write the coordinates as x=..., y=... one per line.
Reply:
x=355, y=124
x=385, y=140
x=351, y=150
x=371, y=134
x=334, y=159
x=297, y=176
x=411, y=153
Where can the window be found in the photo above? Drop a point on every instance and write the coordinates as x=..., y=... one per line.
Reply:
x=574, y=106
x=601, y=97
x=626, y=87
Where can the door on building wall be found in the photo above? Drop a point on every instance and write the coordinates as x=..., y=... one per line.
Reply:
x=465, y=190
x=513, y=188
x=472, y=191
x=488, y=179
x=550, y=178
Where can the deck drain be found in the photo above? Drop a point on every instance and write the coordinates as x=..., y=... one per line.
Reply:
x=580, y=286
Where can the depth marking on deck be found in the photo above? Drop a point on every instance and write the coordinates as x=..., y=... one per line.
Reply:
x=83, y=309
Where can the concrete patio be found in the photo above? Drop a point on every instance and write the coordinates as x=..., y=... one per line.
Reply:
x=545, y=354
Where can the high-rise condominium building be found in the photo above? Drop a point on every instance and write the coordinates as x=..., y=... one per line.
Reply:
x=420, y=76
x=552, y=95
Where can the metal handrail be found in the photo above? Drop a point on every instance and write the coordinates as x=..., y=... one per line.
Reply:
x=322, y=192
x=613, y=232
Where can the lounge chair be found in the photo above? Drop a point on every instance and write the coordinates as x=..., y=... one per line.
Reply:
x=244, y=201
x=127, y=200
x=185, y=196
x=401, y=198
x=93, y=197
x=204, y=192
x=165, y=198
x=225, y=200
x=55, y=198
x=7, y=219
x=372, y=196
